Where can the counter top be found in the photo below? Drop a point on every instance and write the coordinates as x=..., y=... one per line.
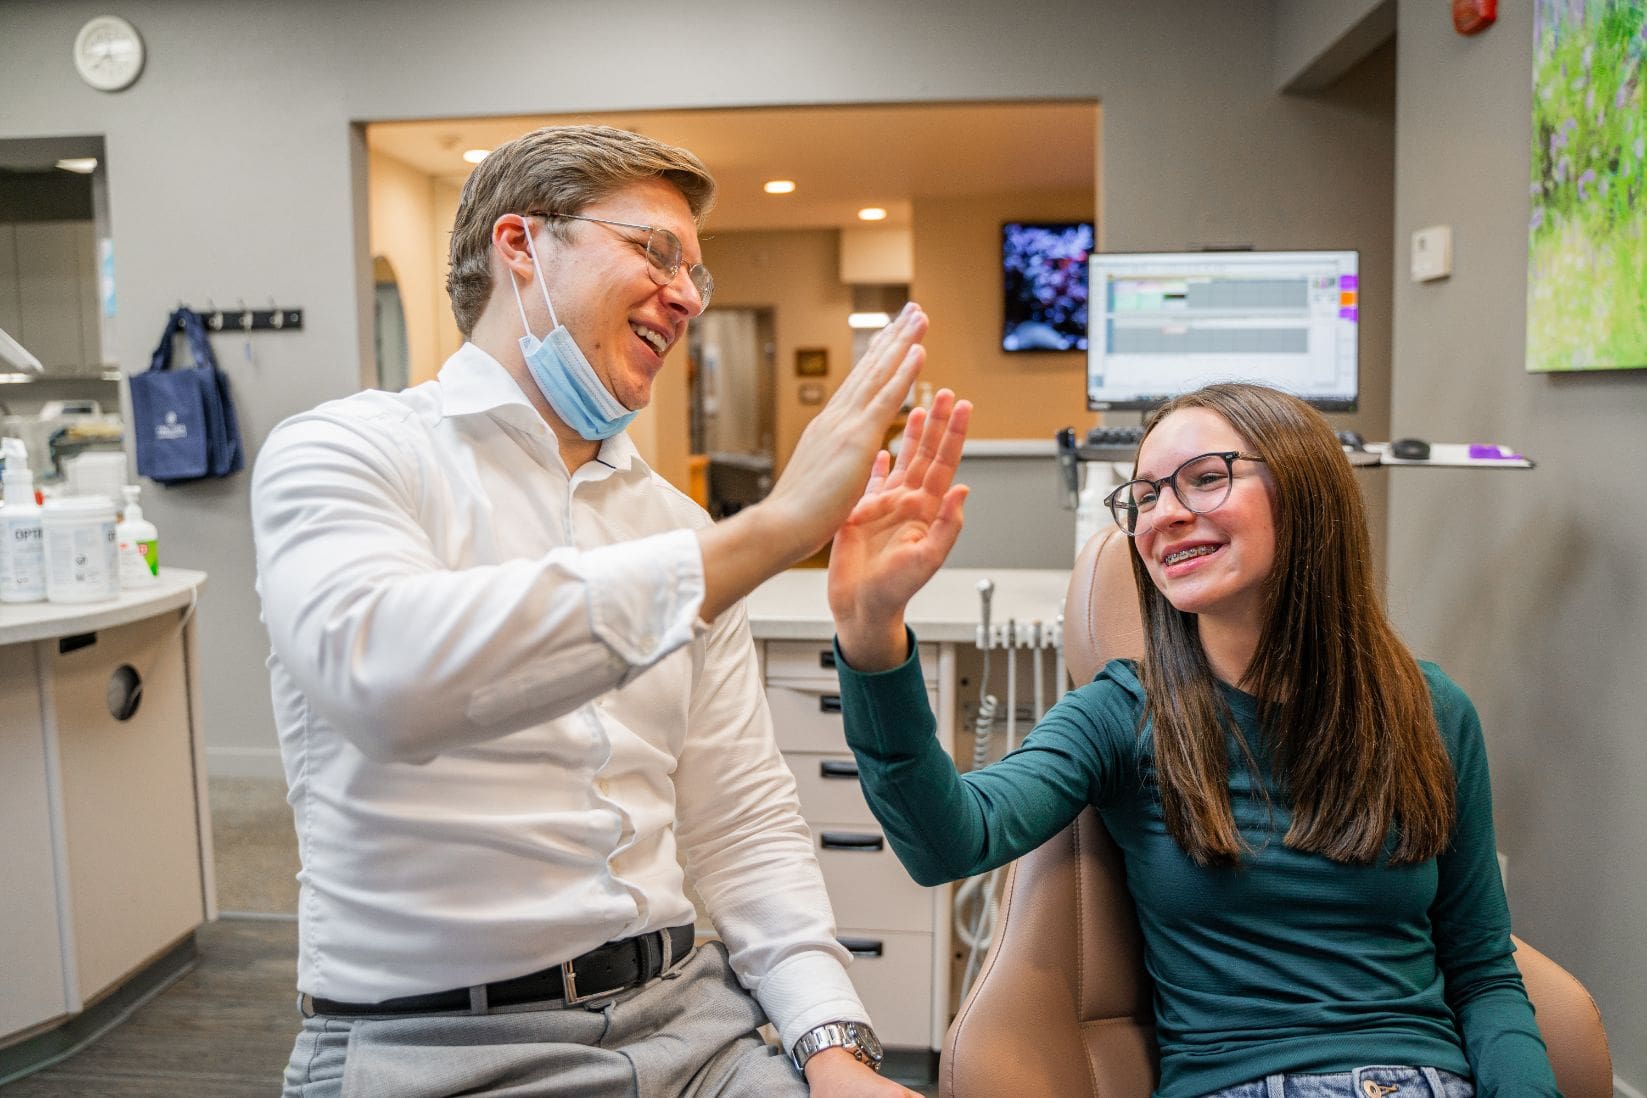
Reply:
x=794, y=605
x=32, y=621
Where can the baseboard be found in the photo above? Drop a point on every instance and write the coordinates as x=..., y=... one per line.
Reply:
x=244, y=762
x=1625, y=1090
x=80, y=1030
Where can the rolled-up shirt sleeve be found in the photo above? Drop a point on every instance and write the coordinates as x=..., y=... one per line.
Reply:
x=409, y=658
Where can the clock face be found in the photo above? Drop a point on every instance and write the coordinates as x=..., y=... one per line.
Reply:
x=108, y=53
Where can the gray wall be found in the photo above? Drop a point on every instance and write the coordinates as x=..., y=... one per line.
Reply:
x=234, y=171
x=1529, y=588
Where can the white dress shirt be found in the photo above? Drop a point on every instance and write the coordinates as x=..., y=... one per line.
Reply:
x=499, y=714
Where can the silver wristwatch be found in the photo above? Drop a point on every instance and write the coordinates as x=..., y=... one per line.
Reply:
x=856, y=1037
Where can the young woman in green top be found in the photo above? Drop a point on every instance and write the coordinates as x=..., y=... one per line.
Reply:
x=1303, y=807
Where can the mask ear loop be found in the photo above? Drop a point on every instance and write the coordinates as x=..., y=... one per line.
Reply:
x=543, y=285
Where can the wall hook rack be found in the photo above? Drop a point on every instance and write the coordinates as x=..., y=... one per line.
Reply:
x=251, y=320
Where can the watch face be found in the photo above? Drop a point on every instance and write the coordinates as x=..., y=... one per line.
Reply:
x=108, y=53
x=869, y=1043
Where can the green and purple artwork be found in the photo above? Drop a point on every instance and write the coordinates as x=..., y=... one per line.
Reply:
x=1587, y=237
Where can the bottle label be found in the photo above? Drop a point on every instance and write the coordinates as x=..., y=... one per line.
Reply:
x=139, y=563
x=22, y=561
x=82, y=562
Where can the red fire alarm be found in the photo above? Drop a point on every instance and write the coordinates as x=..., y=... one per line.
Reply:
x=1474, y=16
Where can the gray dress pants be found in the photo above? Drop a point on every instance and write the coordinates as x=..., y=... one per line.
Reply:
x=691, y=1033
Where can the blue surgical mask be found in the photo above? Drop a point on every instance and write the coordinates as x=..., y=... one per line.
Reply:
x=563, y=374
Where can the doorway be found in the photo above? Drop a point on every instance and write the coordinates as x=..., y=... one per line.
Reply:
x=733, y=357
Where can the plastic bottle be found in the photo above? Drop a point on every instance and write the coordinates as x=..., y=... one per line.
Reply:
x=82, y=553
x=22, y=545
x=1090, y=512
x=139, y=544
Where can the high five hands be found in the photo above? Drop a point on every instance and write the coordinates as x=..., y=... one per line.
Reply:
x=897, y=536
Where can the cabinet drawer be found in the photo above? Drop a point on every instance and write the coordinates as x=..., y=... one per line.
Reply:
x=808, y=717
x=892, y=972
x=814, y=661
x=867, y=884
x=829, y=790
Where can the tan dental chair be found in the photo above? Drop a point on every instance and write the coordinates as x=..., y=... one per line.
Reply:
x=1062, y=1005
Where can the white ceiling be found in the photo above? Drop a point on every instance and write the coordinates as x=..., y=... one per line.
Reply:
x=841, y=158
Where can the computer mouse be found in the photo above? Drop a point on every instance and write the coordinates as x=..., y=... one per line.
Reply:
x=1410, y=449
x=1351, y=440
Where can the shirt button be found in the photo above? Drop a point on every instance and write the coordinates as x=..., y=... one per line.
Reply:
x=649, y=641
x=605, y=787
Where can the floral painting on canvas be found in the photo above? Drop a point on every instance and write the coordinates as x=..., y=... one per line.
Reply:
x=1587, y=235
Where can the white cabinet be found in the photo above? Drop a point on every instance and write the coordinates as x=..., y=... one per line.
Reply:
x=128, y=789
x=105, y=863
x=897, y=931
x=31, y=976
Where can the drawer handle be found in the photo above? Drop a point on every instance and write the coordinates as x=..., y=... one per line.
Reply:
x=852, y=840
x=838, y=768
x=829, y=703
x=826, y=659
x=65, y=645
x=862, y=947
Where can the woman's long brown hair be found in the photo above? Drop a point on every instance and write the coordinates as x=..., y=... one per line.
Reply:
x=1342, y=702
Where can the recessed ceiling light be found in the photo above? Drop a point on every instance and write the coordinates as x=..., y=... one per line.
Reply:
x=871, y=213
x=868, y=320
x=85, y=165
x=475, y=156
x=779, y=186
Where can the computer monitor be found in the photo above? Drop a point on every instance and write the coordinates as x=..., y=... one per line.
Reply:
x=1163, y=323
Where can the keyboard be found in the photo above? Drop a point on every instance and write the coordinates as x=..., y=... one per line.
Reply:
x=1111, y=438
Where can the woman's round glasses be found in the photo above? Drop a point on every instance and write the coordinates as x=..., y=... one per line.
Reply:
x=663, y=255
x=1201, y=484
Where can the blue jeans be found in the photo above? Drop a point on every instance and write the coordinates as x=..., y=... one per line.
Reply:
x=1378, y=1081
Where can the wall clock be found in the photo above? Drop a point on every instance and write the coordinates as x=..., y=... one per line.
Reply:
x=108, y=54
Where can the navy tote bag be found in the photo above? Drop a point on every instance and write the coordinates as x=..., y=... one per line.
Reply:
x=182, y=418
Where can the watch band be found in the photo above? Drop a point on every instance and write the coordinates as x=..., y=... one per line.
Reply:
x=856, y=1037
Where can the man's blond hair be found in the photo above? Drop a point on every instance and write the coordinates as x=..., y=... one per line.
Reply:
x=558, y=169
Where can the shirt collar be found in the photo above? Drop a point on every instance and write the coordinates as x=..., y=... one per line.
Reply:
x=472, y=382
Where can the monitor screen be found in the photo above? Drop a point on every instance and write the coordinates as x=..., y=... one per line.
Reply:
x=1044, y=284
x=1166, y=323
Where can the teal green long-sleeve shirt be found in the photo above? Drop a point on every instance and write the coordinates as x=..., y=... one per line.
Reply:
x=1289, y=962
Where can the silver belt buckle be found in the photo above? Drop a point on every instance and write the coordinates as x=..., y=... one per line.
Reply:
x=569, y=974
x=569, y=985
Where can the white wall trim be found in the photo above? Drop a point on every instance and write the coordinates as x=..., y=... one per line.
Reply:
x=1625, y=1090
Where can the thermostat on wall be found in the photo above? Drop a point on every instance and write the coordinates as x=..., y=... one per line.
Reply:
x=1432, y=253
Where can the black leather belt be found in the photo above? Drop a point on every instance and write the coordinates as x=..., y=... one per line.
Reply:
x=604, y=971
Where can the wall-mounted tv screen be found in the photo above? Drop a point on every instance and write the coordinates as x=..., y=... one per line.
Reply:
x=1044, y=283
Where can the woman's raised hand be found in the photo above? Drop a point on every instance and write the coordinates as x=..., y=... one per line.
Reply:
x=898, y=535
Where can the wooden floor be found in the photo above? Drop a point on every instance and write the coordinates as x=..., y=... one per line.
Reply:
x=223, y=1030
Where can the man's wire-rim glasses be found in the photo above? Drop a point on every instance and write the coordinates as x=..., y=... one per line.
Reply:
x=663, y=254
x=1201, y=484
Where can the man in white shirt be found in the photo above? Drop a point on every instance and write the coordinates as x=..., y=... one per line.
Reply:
x=513, y=679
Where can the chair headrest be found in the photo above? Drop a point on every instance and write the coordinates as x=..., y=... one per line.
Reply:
x=1101, y=620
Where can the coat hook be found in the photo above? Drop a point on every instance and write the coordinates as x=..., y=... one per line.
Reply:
x=277, y=316
x=215, y=321
x=245, y=315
